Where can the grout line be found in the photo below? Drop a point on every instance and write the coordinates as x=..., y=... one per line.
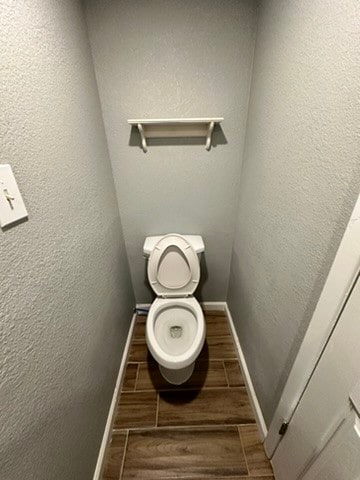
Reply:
x=189, y=389
x=182, y=427
x=157, y=409
x=124, y=454
x=242, y=477
x=215, y=359
x=243, y=449
x=226, y=375
x=137, y=376
x=142, y=340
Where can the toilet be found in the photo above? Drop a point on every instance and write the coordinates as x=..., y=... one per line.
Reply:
x=175, y=326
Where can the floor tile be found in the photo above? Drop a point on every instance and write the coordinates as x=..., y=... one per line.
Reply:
x=181, y=453
x=215, y=348
x=139, y=352
x=205, y=407
x=236, y=477
x=218, y=348
x=206, y=374
x=130, y=377
x=193, y=431
x=136, y=410
x=150, y=377
x=257, y=461
x=139, y=329
x=114, y=457
x=216, y=326
x=233, y=373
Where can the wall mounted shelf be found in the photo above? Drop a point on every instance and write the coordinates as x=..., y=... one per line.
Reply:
x=176, y=127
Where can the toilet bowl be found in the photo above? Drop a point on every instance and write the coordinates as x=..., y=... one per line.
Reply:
x=175, y=326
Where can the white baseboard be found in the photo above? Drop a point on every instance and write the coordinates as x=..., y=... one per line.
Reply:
x=247, y=378
x=107, y=431
x=143, y=305
x=219, y=306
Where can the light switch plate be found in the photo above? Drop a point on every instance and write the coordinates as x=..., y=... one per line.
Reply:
x=12, y=207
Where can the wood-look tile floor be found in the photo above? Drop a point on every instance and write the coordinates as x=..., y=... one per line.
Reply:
x=203, y=429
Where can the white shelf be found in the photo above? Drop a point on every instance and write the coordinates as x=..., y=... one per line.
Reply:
x=176, y=127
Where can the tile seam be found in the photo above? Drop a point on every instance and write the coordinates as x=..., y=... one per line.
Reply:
x=157, y=410
x=137, y=376
x=243, y=449
x=124, y=455
x=167, y=390
x=179, y=427
x=226, y=374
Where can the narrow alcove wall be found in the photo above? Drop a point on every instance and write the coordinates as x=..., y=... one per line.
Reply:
x=166, y=59
x=66, y=297
x=300, y=178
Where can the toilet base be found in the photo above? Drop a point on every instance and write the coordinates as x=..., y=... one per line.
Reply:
x=177, y=377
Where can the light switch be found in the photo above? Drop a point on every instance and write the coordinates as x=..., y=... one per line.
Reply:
x=12, y=207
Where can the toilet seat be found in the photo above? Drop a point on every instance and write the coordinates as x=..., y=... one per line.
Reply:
x=173, y=267
x=157, y=344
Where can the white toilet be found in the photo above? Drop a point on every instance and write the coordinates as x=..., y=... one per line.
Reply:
x=175, y=326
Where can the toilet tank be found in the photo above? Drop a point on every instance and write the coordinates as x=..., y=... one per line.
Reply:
x=195, y=241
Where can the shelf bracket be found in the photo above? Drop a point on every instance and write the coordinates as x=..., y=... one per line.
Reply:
x=143, y=138
x=209, y=135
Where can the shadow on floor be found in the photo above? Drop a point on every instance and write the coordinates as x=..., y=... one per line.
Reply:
x=195, y=382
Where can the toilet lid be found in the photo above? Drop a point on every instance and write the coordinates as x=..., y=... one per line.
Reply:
x=173, y=267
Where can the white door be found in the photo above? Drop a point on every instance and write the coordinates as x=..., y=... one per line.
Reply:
x=322, y=441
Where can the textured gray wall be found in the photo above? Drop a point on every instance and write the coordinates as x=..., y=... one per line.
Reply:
x=300, y=178
x=65, y=290
x=177, y=58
